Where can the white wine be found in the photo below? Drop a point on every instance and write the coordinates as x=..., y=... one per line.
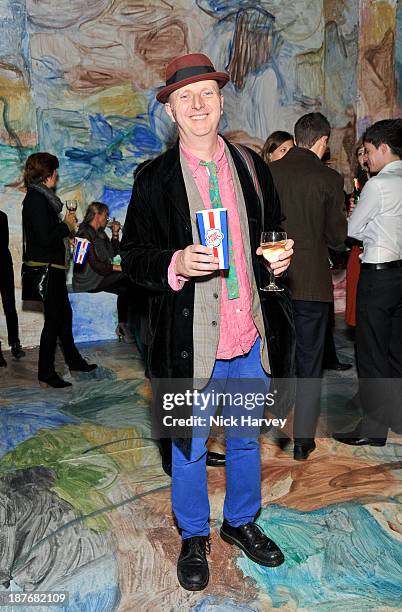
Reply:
x=272, y=250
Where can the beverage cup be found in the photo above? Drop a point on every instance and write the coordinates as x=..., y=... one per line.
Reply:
x=81, y=248
x=213, y=229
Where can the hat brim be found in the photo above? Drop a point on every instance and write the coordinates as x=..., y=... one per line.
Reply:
x=220, y=77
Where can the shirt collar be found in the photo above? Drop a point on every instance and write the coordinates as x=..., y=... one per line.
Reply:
x=392, y=166
x=194, y=162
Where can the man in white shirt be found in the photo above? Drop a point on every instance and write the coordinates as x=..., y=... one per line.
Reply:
x=377, y=221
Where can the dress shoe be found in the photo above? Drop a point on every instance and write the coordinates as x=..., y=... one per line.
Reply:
x=124, y=334
x=302, y=448
x=353, y=438
x=54, y=381
x=338, y=366
x=17, y=351
x=82, y=366
x=192, y=566
x=253, y=542
x=216, y=459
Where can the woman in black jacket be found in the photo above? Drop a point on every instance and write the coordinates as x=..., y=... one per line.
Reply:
x=46, y=243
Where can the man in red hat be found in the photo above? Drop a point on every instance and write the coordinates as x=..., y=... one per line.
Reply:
x=206, y=325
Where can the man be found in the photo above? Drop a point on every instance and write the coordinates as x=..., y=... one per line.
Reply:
x=204, y=325
x=7, y=293
x=377, y=221
x=312, y=201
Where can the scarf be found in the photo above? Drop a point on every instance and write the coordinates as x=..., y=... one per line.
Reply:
x=50, y=195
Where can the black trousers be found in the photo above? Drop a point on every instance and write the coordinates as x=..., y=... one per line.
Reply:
x=379, y=349
x=8, y=297
x=58, y=324
x=330, y=356
x=311, y=323
x=117, y=283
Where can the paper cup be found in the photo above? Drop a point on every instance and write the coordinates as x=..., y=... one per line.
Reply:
x=81, y=248
x=213, y=228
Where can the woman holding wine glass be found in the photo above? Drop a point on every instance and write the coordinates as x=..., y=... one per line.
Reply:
x=46, y=244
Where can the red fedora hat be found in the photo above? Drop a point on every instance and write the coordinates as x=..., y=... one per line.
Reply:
x=186, y=69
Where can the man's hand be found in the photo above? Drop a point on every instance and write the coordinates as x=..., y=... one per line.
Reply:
x=196, y=260
x=283, y=263
x=352, y=205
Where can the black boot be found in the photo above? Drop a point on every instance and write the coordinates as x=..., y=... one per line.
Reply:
x=16, y=350
x=3, y=362
x=302, y=448
x=192, y=566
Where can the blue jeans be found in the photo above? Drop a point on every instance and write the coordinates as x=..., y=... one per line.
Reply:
x=243, y=471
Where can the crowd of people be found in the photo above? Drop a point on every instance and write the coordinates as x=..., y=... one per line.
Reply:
x=216, y=328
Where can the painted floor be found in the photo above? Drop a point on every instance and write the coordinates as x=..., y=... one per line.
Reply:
x=85, y=505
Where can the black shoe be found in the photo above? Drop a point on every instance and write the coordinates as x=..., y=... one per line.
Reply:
x=54, y=381
x=354, y=439
x=82, y=366
x=192, y=566
x=340, y=367
x=302, y=448
x=216, y=459
x=254, y=543
x=17, y=351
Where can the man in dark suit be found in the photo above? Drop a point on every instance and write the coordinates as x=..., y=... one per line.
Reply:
x=312, y=201
x=204, y=325
x=7, y=293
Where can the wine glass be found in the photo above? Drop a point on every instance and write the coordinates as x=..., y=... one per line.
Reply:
x=272, y=244
x=72, y=205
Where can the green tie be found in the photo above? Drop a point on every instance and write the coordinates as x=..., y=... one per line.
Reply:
x=232, y=283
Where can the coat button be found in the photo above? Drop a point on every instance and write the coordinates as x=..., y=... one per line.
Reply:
x=216, y=295
x=214, y=323
x=184, y=354
x=185, y=312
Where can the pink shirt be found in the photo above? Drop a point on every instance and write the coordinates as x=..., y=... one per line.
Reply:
x=237, y=332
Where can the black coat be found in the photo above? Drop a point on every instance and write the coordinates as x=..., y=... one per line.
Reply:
x=5, y=255
x=4, y=233
x=312, y=200
x=44, y=232
x=158, y=224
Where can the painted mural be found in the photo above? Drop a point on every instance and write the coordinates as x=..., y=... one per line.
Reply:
x=78, y=79
x=85, y=505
